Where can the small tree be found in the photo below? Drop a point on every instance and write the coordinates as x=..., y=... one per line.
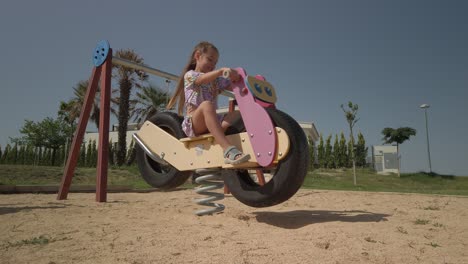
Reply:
x=39, y=155
x=5, y=154
x=361, y=151
x=111, y=153
x=328, y=153
x=342, y=153
x=89, y=154
x=131, y=155
x=311, y=152
x=397, y=136
x=336, y=152
x=350, y=115
x=94, y=154
x=13, y=155
x=321, y=152
x=48, y=133
x=82, y=159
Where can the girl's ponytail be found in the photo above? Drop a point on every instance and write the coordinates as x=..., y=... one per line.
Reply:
x=179, y=94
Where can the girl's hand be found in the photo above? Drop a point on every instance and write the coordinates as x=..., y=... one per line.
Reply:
x=231, y=73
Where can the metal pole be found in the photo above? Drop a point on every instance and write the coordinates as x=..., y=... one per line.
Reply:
x=145, y=68
x=148, y=69
x=427, y=138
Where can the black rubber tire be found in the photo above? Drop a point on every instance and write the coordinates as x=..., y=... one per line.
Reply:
x=289, y=174
x=154, y=173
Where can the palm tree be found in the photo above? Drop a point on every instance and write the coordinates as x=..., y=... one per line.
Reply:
x=127, y=78
x=73, y=107
x=150, y=100
x=398, y=136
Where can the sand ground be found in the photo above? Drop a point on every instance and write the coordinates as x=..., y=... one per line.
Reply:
x=160, y=227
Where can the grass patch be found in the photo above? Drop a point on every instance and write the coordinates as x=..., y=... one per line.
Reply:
x=434, y=245
x=41, y=240
x=368, y=180
x=432, y=208
x=402, y=230
x=338, y=179
x=45, y=175
x=421, y=222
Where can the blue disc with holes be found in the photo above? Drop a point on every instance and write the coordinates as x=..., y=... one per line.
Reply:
x=100, y=52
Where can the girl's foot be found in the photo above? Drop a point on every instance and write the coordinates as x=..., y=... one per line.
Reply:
x=233, y=156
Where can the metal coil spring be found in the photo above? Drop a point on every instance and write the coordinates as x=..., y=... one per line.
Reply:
x=210, y=179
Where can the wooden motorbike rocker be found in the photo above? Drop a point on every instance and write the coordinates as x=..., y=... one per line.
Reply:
x=276, y=143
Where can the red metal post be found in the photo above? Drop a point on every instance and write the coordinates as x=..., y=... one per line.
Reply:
x=79, y=133
x=260, y=177
x=103, y=147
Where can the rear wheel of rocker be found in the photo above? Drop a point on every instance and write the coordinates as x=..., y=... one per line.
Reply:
x=284, y=179
x=159, y=175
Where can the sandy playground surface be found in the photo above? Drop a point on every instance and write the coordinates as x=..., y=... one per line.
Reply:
x=160, y=227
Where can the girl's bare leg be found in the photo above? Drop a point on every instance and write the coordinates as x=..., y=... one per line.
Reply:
x=204, y=119
x=229, y=119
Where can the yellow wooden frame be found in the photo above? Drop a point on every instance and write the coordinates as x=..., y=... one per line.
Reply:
x=203, y=152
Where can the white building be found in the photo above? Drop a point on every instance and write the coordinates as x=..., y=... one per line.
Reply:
x=308, y=127
x=113, y=135
x=385, y=159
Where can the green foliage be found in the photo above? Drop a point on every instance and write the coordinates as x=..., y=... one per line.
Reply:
x=343, y=158
x=127, y=79
x=5, y=154
x=398, y=135
x=341, y=179
x=48, y=133
x=82, y=158
x=350, y=115
x=328, y=153
x=70, y=111
x=52, y=175
x=111, y=153
x=312, y=153
x=131, y=154
x=350, y=153
x=39, y=156
x=361, y=151
x=149, y=100
x=94, y=155
x=13, y=155
x=321, y=152
x=336, y=152
x=325, y=179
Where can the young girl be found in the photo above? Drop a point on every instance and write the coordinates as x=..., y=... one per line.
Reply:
x=202, y=83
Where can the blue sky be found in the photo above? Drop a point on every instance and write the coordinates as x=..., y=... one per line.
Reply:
x=388, y=57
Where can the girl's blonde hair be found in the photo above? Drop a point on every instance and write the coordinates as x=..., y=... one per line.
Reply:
x=179, y=94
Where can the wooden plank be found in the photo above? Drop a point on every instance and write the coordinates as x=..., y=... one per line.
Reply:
x=103, y=146
x=79, y=133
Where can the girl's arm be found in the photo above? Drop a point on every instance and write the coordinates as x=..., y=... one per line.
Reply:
x=212, y=75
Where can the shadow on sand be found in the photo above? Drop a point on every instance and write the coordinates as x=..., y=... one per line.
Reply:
x=300, y=218
x=15, y=208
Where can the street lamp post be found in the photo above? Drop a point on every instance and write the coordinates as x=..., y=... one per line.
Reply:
x=425, y=107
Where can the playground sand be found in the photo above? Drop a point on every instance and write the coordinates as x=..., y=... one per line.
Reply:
x=160, y=227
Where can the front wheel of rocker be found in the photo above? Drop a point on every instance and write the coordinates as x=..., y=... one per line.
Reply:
x=284, y=180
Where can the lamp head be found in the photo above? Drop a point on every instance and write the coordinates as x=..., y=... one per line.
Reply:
x=424, y=106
